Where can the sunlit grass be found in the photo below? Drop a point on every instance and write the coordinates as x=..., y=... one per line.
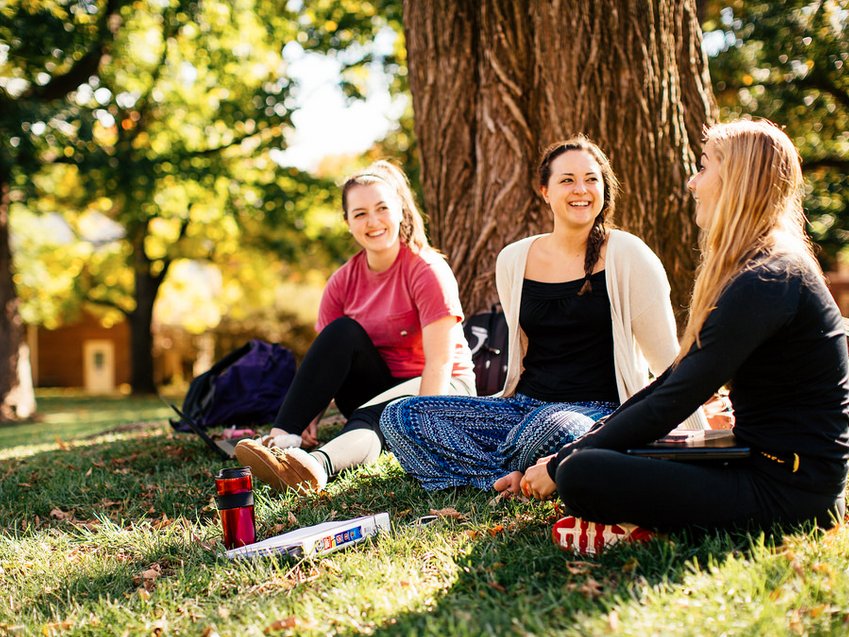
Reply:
x=110, y=528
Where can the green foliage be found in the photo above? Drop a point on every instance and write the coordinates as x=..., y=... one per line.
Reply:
x=161, y=116
x=787, y=61
x=107, y=526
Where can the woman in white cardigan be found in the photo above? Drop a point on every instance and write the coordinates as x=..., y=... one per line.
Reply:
x=589, y=315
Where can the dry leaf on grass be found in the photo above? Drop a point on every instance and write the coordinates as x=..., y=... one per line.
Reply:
x=577, y=567
x=591, y=588
x=281, y=624
x=448, y=512
x=210, y=631
x=148, y=577
x=59, y=514
x=292, y=519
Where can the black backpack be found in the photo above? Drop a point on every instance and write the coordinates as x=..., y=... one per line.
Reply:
x=246, y=387
x=486, y=334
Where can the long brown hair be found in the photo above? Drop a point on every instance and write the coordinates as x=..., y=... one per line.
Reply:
x=604, y=219
x=412, y=222
x=758, y=213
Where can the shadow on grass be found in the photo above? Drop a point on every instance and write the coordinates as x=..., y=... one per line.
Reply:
x=141, y=473
x=510, y=578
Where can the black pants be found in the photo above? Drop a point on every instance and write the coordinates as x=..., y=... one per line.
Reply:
x=341, y=364
x=609, y=487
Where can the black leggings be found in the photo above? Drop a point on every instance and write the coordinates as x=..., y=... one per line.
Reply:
x=610, y=487
x=341, y=364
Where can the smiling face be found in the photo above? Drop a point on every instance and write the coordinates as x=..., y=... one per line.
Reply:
x=374, y=217
x=705, y=185
x=575, y=189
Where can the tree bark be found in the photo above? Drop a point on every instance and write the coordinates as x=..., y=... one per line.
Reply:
x=17, y=398
x=147, y=286
x=495, y=81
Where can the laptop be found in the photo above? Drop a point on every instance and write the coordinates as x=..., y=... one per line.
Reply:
x=226, y=449
x=710, y=444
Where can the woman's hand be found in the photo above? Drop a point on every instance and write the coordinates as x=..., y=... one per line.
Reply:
x=509, y=484
x=309, y=436
x=537, y=483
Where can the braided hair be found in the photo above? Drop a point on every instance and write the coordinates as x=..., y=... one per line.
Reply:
x=603, y=220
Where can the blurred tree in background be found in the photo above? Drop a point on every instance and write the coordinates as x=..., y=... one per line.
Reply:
x=787, y=61
x=138, y=141
x=158, y=116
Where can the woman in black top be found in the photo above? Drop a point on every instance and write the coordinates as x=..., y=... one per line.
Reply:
x=762, y=321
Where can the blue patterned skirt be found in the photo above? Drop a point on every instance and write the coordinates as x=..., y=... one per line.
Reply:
x=452, y=441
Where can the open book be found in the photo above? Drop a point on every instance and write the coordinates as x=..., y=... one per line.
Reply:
x=318, y=539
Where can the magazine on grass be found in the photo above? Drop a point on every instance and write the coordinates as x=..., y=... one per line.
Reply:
x=316, y=540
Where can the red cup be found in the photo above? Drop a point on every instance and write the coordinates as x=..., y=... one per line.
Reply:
x=235, y=502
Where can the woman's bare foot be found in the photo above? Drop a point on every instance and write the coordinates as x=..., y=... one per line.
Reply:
x=509, y=483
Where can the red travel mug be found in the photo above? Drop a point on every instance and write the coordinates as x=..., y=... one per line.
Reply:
x=235, y=501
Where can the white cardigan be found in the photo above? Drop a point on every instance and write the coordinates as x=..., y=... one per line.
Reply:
x=644, y=336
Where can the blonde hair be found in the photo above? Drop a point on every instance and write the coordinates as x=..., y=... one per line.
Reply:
x=412, y=222
x=758, y=213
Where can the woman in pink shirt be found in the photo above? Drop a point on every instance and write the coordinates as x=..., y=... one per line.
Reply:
x=389, y=325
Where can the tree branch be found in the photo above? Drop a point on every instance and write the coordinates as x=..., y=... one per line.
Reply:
x=819, y=82
x=268, y=133
x=840, y=163
x=106, y=303
x=86, y=66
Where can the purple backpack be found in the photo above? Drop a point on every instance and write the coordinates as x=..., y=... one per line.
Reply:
x=244, y=388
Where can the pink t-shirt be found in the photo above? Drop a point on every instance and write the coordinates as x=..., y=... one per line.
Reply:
x=393, y=306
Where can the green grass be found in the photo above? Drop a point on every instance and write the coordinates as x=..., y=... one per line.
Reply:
x=107, y=528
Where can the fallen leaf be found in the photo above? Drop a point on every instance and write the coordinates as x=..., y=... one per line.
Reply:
x=580, y=568
x=591, y=589
x=448, y=512
x=499, y=587
x=59, y=514
x=796, y=625
x=630, y=565
x=88, y=473
x=63, y=446
x=210, y=631
x=281, y=624
x=498, y=528
x=24, y=484
x=148, y=577
x=292, y=519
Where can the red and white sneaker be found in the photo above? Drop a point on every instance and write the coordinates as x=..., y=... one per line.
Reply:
x=591, y=538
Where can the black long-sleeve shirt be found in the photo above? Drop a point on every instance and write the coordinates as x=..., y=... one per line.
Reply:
x=776, y=335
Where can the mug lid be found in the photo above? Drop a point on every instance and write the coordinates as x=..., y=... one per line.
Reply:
x=233, y=472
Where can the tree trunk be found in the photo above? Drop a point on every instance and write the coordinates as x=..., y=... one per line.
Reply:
x=17, y=399
x=495, y=81
x=141, y=321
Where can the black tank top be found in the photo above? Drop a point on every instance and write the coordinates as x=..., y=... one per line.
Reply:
x=570, y=342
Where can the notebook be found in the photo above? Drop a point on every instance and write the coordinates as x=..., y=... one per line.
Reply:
x=710, y=444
